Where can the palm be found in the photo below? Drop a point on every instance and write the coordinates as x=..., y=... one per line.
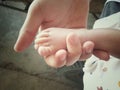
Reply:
x=57, y=13
x=51, y=13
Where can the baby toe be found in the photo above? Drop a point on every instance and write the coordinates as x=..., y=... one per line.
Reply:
x=36, y=46
x=42, y=35
x=42, y=40
x=44, y=51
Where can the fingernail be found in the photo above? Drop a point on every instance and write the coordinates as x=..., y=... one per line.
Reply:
x=74, y=40
x=89, y=50
x=63, y=57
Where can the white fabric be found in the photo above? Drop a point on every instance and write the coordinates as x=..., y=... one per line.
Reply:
x=112, y=21
x=99, y=74
x=105, y=74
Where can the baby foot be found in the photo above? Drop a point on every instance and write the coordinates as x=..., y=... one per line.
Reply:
x=52, y=41
x=49, y=41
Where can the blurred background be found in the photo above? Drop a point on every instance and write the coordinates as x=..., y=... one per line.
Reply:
x=27, y=70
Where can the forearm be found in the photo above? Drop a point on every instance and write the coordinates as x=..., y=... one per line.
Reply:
x=108, y=40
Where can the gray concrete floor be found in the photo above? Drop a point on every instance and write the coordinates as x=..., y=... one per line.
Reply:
x=27, y=70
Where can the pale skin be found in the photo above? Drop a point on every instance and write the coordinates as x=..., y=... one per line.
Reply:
x=53, y=39
x=54, y=13
x=50, y=42
x=51, y=13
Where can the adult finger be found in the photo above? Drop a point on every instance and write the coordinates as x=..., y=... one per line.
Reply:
x=74, y=49
x=87, y=50
x=103, y=55
x=29, y=28
x=57, y=60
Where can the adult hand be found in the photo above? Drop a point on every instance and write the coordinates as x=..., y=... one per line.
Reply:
x=75, y=52
x=51, y=13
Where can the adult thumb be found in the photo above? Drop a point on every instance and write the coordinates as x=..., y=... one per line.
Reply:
x=29, y=28
x=74, y=49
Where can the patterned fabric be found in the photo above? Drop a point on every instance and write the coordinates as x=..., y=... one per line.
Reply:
x=99, y=74
x=102, y=75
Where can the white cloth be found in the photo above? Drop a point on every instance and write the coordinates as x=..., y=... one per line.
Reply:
x=112, y=21
x=102, y=75
x=99, y=74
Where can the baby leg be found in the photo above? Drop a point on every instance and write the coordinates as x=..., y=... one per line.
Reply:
x=52, y=41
